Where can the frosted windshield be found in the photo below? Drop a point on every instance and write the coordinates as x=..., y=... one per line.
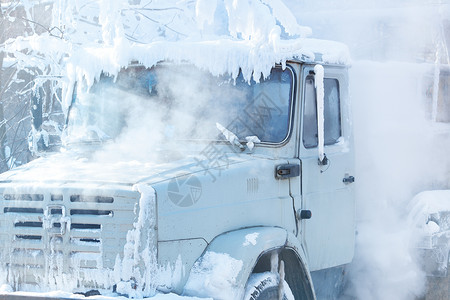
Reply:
x=180, y=102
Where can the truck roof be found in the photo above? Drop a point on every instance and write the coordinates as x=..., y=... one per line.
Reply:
x=219, y=56
x=321, y=51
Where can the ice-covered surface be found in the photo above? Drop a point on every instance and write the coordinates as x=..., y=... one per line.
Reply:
x=430, y=211
x=318, y=84
x=138, y=274
x=230, y=136
x=219, y=56
x=251, y=239
x=215, y=275
x=221, y=36
x=110, y=167
x=251, y=141
x=139, y=256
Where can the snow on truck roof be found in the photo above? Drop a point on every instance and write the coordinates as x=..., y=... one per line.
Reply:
x=223, y=37
x=219, y=57
x=222, y=56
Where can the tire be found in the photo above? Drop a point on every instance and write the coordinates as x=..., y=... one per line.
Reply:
x=265, y=286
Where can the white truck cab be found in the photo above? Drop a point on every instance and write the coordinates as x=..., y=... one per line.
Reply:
x=245, y=192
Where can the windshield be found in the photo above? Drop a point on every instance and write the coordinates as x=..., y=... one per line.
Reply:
x=182, y=102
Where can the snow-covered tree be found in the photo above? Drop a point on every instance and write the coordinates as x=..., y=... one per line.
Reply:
x=64, y=41
x=17, y=19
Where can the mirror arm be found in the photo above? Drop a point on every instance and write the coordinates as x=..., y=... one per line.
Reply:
x=319, y=85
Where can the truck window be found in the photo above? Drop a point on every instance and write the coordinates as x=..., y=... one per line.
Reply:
x=267, y=109
x=183, y=103
x=332, y=113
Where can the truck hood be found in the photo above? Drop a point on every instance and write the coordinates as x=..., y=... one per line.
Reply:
x=81, y=168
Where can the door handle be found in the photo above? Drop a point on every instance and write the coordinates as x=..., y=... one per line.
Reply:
x=348, y=179
x=287, y=170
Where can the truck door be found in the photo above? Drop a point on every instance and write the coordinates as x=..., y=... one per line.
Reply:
x=327, y=187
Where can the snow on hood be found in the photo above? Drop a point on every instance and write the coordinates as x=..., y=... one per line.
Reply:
x=70, y=167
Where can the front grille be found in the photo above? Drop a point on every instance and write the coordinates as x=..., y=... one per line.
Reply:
x=93, y=212
x=97, y=199
x=24, y=210
x=69, y=231
x=25, y=197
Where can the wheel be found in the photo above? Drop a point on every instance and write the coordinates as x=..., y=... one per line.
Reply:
x=266, y=286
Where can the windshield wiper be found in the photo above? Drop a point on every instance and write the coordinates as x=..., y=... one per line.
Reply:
x=231, y=137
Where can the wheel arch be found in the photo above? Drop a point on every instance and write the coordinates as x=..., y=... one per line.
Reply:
x=243, y=251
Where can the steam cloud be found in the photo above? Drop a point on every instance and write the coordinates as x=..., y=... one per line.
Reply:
x=399, y=151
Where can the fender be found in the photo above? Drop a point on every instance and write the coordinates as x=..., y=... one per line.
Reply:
x=224, y=267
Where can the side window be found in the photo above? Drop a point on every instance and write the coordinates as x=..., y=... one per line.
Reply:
x=332, y=113
x=310, y=115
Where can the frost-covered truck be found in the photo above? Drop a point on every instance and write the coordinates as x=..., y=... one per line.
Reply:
x=174, y=180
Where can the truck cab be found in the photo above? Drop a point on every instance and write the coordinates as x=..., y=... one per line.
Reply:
x=174, y=180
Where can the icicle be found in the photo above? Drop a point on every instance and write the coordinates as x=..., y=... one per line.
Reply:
x=274, y=262
x=281, y=283
x=318, y=83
